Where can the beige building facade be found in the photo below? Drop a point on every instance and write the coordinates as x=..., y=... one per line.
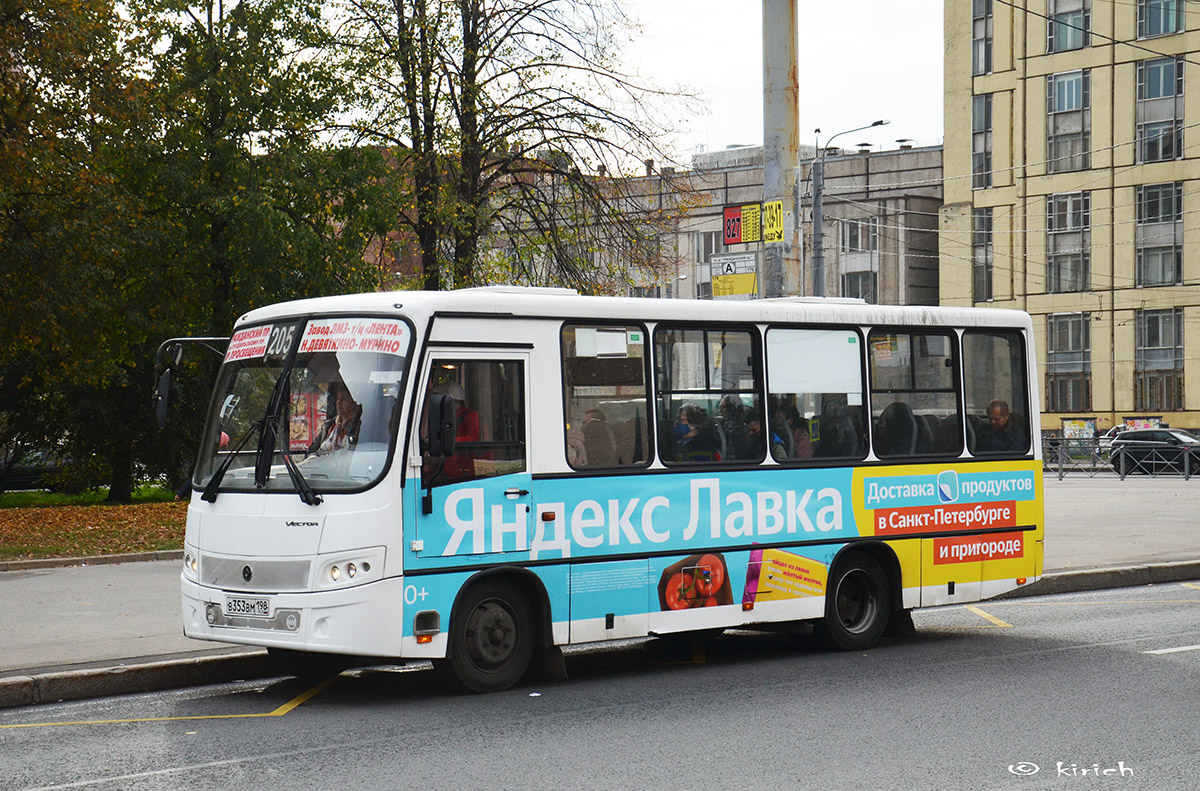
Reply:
x=1072, y=187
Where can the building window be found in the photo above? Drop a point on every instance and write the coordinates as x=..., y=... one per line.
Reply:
x=1068, y=242
x=1159, y=109
x=704, y=290
x=1160, y=234
x=1068, y=25
x=981, y=254
x=1068, y=362
x=706, y=244
x=1068, y=121
x=981, y=141
x=861, y=285
x=1158, y=363
x=1159, y=17
x=645, y=292
x=981, y=36
x=860, y=236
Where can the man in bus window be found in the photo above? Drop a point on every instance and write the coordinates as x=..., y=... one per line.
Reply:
x=1006, y=434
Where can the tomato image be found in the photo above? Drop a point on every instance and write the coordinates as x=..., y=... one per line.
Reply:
x=700, y=580
x=709, y=575
x=680, y=591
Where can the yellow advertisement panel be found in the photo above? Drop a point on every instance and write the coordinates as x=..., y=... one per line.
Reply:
x=729, y=285
x=772, y=220
x=773, y=575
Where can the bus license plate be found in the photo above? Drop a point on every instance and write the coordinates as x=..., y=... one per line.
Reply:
x=254, y=608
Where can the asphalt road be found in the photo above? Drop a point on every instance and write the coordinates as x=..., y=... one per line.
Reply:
x=978, y=698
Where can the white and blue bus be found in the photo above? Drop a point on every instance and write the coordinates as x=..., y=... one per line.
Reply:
x=481, y=477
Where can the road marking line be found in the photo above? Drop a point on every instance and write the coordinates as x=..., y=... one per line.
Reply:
x=279, y=712
x=1174, y=650
x=1019, y=603
x=987, y=617
x=296, y=701
x=1190, y=585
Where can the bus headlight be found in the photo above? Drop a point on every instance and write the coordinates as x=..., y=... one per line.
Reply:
x=344, y=569
x=191, y=565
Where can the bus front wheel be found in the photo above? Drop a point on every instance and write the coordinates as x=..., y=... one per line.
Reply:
x=858, y=603
x=491, y=639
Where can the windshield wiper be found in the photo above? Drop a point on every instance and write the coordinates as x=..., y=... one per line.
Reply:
x=214, y=483
x=307, y=495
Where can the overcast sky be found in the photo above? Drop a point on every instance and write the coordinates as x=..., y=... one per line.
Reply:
x=858, y=62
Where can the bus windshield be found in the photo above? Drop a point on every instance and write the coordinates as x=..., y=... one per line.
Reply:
x=320, y=396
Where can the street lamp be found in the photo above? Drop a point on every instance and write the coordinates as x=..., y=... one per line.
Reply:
x=818, y=214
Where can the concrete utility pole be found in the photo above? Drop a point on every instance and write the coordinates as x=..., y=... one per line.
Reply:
x=781, y=139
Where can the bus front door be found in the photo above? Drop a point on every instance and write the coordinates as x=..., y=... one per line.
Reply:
x=476, y=500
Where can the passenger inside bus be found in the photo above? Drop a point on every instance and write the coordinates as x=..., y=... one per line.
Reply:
x=466, y=420
x=340, y=431
x=696, y=437
x=1004, y=431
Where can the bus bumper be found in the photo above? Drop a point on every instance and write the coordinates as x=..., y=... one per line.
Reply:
x=365, y=620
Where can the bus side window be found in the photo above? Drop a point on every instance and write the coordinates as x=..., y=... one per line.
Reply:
x=815, y=391
x=914, y=394
x=605, y=396
x=709, y=407
x=996, y=399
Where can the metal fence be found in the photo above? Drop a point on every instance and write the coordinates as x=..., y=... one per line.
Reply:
x=1091, y=457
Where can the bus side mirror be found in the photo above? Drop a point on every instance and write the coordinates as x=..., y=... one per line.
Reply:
x=161, y=393
x=442, y=428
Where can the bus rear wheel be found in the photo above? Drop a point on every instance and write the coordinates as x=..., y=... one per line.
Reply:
x=491, y=639
x=858, y=603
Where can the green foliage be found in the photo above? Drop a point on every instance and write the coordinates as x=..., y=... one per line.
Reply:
x=165, y=175
x=144, y=493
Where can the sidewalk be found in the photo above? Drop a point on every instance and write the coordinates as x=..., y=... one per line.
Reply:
x=102, y=629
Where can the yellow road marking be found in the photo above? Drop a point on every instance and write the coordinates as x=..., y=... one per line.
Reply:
x=1190, y=585
x=279, y=712
x=296, y=701
x=987, y=617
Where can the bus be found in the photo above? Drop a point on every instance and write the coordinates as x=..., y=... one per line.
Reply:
x=481, y=477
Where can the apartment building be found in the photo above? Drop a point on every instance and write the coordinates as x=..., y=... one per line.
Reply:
x=1072, y=187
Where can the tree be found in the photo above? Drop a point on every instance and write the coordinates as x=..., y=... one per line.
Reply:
x=514, y=111
x=162, y=176
x=61, y=86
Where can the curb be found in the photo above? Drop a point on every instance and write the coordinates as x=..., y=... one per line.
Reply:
x=95, y=560
x=59, y=686
x=125, y=679
x=1102, y=578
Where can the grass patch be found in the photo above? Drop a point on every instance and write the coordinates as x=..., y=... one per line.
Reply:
x=80, y=531
x=146, y=493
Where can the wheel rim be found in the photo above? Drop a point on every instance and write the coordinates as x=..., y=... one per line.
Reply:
x=492, y=635
x=857, y=601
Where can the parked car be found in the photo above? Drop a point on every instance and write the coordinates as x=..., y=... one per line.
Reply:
x=1152, y=450
x=1105, y=439
x=30, y=471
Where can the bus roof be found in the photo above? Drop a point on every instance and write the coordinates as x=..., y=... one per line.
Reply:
x=564, y=303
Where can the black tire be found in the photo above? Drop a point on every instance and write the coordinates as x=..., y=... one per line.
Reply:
x=858, y=603
x=308, y=665
x=491, y=639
